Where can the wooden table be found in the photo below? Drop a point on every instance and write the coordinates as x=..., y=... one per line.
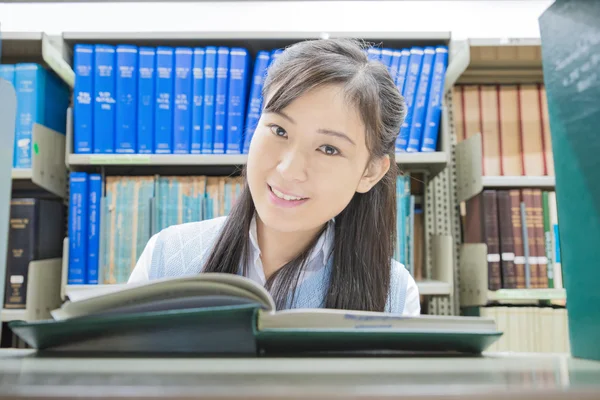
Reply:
x=25, y=374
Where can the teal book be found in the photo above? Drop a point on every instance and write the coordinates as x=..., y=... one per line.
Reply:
x=225, y=314
x=570, y=36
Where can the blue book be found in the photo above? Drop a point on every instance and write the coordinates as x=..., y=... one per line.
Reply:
x=197, y=106
x=126, y=82
x=434, y=107
x=410, y=89
x=386, y=57
x=221, y=93
x=30, y=84
x=163, y=123
x=420, y=104
x=182, y=115
x=93, y=229
x=210, y=66
x=104, y=99
x=78, y=222
x=83, y=107
x=7, y=72
x=395, y=64
x=145, y=100
x=373, y=54
x=402, y=68
x=255, y=100
x=238, y=79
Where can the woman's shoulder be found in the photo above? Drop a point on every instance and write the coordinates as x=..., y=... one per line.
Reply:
x=403, y=290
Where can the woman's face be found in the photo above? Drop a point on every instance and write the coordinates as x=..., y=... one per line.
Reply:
x=306, y=162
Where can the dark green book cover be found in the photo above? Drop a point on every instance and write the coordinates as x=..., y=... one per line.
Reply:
x=570, y=33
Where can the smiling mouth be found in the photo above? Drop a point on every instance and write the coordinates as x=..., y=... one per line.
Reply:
x=284, y=196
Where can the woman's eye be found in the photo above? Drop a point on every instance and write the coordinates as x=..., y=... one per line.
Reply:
x=278, y=131
x=329, y=150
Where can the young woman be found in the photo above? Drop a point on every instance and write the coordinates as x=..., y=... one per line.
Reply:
x=316, y=220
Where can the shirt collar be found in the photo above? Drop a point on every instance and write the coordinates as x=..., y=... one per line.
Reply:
x=323, y=246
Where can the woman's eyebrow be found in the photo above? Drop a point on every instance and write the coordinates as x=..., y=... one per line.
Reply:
x=284, y=115
x=336, y=134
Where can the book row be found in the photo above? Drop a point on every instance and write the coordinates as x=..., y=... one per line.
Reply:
x=514, y=125
x=206, y=100
x=35, y=232
x=111, y=221
x=520, y=229
x=530, y=329
x=41, y=98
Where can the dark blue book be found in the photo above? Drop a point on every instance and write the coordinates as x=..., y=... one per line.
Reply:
x=182, y=116
x=78, y=224
x=210, y=66
x=221, y=94
x=255, y=100
x=163, y=123
x=104, y=99
x=420, y=103
x=126, y=82
x=93, y=229
x=146, y=100
x=198, y=103
x=83, y=93
x=409, y=92
x=238, y=81
x=434, y=106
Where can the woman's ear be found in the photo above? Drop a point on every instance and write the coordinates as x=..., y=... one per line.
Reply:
x=376, y=169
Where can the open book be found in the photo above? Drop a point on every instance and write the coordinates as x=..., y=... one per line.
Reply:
x=227, y=310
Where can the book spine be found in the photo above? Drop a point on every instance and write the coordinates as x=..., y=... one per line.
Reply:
x=83, y=107
x=415, y=134
x=556, y=256
x=255, y=103
x=221, y=92
x=197, y=107
x=30, y=84
x=78, y=205
x=145, y=100
x=539, y=242
x=373, y=54
x=529, y=200
x=507, y=246
x=431, y=127
x=20, y=251
x=492, y=239
x=386, y=57
x=182, y=118
x=104, y=99
x=94, y=196
x=517, y=229
x=395, y=64
x=7, y=72
x=409, y=91
x=126, y=113
x=238, y=77
x=402, y=70
x=548, y=240
x=210, y=66
x=163, y=124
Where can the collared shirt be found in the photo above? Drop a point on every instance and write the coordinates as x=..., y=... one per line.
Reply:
x=317, y=259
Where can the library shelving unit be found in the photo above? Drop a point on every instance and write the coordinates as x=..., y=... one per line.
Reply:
x=47, y=176
x=436, y=168
x=493, y=61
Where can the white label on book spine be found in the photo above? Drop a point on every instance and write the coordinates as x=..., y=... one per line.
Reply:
x=493, y=257
x=508, y=256
x=519, y=260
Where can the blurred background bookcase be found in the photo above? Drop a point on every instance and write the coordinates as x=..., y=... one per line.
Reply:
x=438, y=177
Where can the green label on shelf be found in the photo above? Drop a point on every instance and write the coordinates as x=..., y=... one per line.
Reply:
x=104, y=159
x=36, y=148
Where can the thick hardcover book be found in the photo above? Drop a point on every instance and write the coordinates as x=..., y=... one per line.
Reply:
x=395, y=64
x=83, y=94
x=36, y=232
x=210, y=87
x=431, y=126
x=402, y=69
x=238, y=83
x=409, y=92
x=570, y=48
x=198, y=101
x=163, y=124
x=419, y=109
x=78, y=224
x=93, y=228
x=146, y=99
x=104, y=99
x=221, y=94
x=519, y=243
x=386, y=57
x=7, y=72
x=255, y=100
x=507, y=244
x=225, y=314
x=182, y=114
x=126, y=85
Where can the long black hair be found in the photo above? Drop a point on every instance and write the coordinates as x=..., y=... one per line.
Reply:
x=365, y=231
